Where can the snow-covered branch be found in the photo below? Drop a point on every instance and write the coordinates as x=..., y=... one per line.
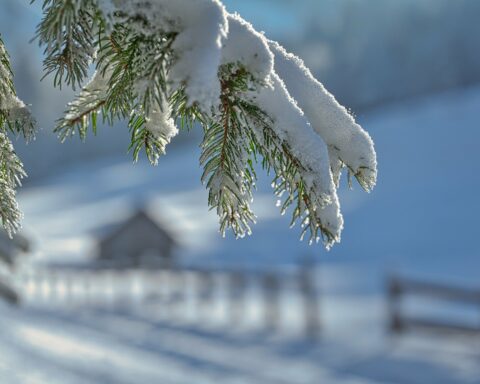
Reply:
x=15, y=118
x=348, y=143
x=163, y=61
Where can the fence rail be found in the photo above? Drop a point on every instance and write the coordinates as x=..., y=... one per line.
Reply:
x=400, y=288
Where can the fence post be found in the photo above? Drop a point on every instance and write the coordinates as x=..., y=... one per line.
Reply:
x=45, y=286
x=394, y=294
x=51, y=282
x=179, y=292
x=271, y=287
x=86, y=287
x=207, y=285
x=237, y=287
x=308, y=290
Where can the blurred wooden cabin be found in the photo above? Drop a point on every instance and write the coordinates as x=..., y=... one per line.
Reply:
x=139, y=242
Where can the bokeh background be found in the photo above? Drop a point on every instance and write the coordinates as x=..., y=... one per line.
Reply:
x=409, y=70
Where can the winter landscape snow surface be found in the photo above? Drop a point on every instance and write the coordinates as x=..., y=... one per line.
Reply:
x=420, y=220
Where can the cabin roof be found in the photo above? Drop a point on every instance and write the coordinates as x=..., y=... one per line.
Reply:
x=139, y=215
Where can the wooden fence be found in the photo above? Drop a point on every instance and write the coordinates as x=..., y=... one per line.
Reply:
x=175, y=292
x=400, y=289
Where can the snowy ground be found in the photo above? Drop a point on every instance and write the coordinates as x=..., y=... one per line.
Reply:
x=421, y=220
x=38, y=346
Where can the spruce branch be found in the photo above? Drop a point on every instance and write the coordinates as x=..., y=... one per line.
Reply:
x=67, y=31
x=14, y=114
x=289, y=173
x=11, y=173
x=157, y=64
x=227, y=153
x=15, y=118
x=289, y=180
x=83, y=111
x=235, y=138
x=6, y=75
x=130, y=83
